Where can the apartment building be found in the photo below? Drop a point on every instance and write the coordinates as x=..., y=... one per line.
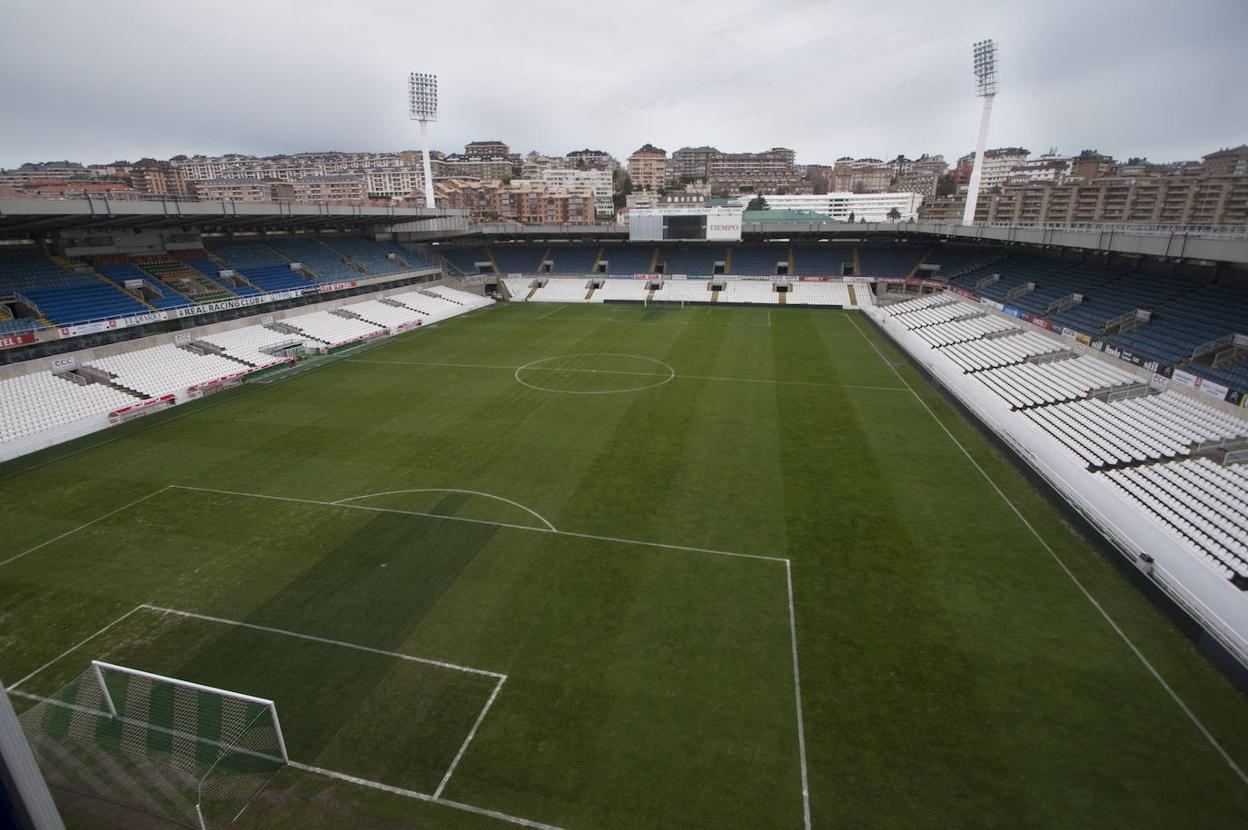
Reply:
x=598, y=182
x=647, y=168
x=244, y=190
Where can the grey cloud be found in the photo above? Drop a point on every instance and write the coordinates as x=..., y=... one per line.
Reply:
x=98, y=81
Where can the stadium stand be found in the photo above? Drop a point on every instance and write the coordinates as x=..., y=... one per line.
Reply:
x=1203, y=503
x=39, y=401
x=518, y=287
x=759, y=292
x=572, y=259
x=61, y=295
x=822, y=293
x=562, y=291
x=628, y=259
x=823, y=260
x=621, y=290
x=371, y=257
x=697, y=260
x=161, y=370
x=197, y=277
x=991, y=353
x=276, y=278
x=465, y=260
x=1149, y=428
x=518, y=258
x=465, y=300
x=158, y=296
x=1058, y=381
x=332, y=329
x=408, y=258
x=253, y=344
x=326, y=263
x=759, y=260
x=382, y=314
x=676, y=291
x=879, y=260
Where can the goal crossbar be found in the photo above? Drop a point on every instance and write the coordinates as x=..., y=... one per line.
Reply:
x=99, y=666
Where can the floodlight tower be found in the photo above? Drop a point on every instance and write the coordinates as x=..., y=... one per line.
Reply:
x=985, y=63
x=422, y=106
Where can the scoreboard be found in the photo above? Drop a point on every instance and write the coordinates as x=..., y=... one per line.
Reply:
x=717, y=224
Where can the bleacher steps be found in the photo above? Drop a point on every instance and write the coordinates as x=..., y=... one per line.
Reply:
x=532, y=291
x=857, y=263
x=715, y=296
x=853, y=296
x=654, y=259
x=597, y=259
x=728, y=260
x=1010, y=332
x=784, y=296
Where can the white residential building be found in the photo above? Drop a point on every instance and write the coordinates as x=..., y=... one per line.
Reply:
x=599, y=181
x=873, y=207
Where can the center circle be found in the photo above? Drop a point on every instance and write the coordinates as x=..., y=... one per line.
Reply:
x=595, y=373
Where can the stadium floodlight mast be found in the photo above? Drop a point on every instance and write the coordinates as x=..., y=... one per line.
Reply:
x=985, y=65
x=422, y=103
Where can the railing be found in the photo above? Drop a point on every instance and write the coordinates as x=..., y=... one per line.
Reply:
x=1239, y=340
x=1062, y=303
x=1019, y=290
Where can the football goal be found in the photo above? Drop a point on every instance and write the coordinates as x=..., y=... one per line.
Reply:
x=190, y=753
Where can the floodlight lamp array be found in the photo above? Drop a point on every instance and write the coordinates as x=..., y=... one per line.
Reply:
x=984, y=63
x=422, y=96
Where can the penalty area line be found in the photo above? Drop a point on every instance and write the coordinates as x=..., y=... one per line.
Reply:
x=85, y=525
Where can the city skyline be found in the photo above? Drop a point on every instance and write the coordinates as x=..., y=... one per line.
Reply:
x=825, y=79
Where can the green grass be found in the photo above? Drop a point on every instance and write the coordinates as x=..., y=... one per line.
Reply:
x=951, y=673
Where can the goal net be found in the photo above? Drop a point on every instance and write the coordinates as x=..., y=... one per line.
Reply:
x=190, y=753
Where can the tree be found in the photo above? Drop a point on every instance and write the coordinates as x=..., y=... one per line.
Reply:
x=894, y=214
x=850, y=220
x=757, y=203
x=945, y=185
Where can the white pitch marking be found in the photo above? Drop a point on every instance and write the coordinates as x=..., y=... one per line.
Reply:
x=533, y=364
x=528, y=510
x=552, y=311
x=1078, y=584
x=472, y=734
x=419, y=796
x=679, y=375
x=84, y=525
x=528, y=528
x=72, y=649
x=441, y=664
x=797, y=694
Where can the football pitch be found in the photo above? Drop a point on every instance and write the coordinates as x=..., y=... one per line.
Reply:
x=619, y=567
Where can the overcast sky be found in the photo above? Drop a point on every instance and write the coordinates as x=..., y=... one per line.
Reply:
x=98, y=80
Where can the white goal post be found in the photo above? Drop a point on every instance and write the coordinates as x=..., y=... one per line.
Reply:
x=185, y=751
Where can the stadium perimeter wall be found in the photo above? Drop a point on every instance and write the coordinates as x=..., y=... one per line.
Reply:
x=1212, y=601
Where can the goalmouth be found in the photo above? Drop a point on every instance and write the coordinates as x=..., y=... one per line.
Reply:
x=191, y=753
